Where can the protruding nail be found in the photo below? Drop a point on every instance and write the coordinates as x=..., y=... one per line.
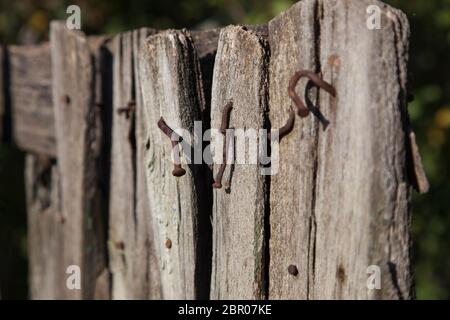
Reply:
x=119, y=245
x=130, y=107
x=60, y=217
x=178, y=171
x=302, y=110
x=223, y=129
x=218, y=181
x=65, y=99
x=226, y=117
x=287, y=128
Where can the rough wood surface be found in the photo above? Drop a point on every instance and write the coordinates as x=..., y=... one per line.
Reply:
x=75, y=87
x=133, y=263
x=29, y=88
x=45, y=233
x=340, y=201
x=122, y=207
x=171, y=87
x=146, y=256
x=240, y=75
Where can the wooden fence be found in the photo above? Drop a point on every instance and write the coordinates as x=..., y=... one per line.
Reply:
x=100, y=193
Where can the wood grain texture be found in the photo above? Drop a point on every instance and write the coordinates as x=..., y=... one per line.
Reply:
x=45, y=232
x=133, y=263
x=146, y=256
x=122, y=207
x=291, y=37
x=341, y=200
x=240, y=75
x=171, y=88
x=75, y=87
x=29, y=87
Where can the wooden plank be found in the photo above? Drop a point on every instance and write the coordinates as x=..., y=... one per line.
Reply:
x=171, y=89
x=146, y=257
x=122, y=218
x=29, y=89
x=240, y=75
x=45, y=232
x=291, y=37
x=133, y=262
x=340, y=202
x=75, y=87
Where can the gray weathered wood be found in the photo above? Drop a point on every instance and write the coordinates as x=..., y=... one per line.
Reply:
x=30, y=92
x=45, y=233
x=146, y=256
x=75, y=88
x=291, y=37
x=122, y=216
x=171, y=88
x=133, y=262
x=240, y=75
x=340, y=201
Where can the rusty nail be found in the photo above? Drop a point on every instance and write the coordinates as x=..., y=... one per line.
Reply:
x=168, y=243
x=287, y=128
x=61, y=218
x=65, y=99
x=119, y=245
x=178, y=171
x=293, y=270
x=218, y=181
x=302, y=111
x=130, y=107
x=223, y=129
x=226, y=117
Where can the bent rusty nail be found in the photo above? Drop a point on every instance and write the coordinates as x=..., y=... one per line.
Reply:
x=302, y=110
x=218, y=181
x=131, y=106
x=226, y=117
x=287, y=128
x=178, y=171
x=223, y=129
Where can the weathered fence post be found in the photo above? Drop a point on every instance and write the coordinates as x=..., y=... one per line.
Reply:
x=172, y=88
x=45, y=235
x=240, y=76
x=340, y=202
x=133, y=262
x=76, y=86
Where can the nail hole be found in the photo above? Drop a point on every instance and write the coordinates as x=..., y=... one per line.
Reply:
x=168, y=243
x=340, y=274
x=293, y=270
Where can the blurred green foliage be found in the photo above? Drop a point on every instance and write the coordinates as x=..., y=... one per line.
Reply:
x=27, y=21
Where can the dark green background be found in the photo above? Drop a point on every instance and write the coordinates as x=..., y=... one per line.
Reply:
x=27, y=22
